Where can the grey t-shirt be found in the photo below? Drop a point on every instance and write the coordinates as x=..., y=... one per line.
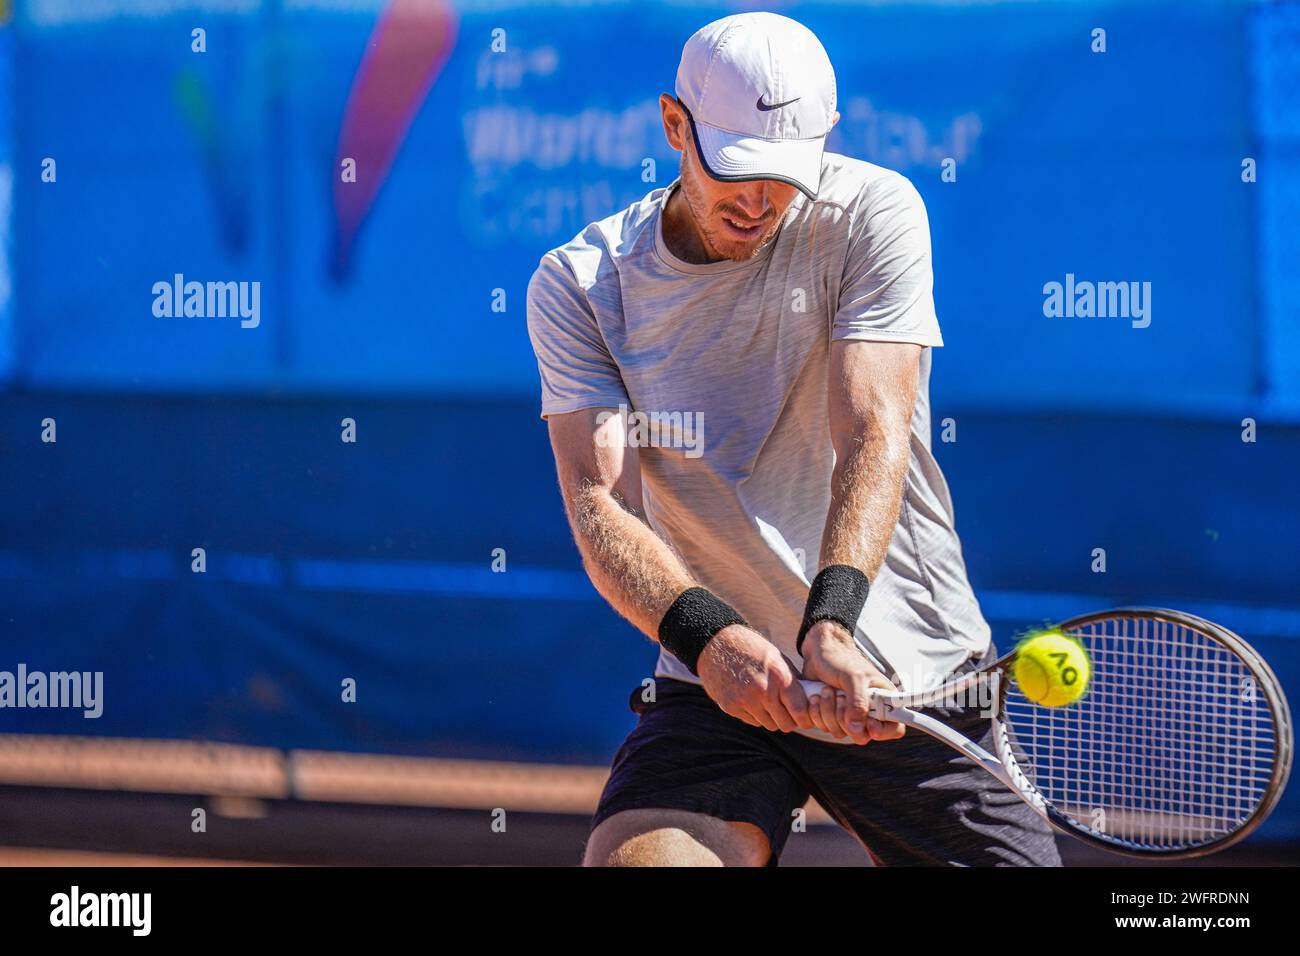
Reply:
x=724, y=367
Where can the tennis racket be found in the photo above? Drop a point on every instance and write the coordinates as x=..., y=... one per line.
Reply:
x=1180, y=747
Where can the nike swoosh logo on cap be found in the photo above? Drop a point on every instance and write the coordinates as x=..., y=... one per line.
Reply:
x=775, y=106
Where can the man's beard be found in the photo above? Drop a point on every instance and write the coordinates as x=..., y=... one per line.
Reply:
x=736, y=250
x=741, y=251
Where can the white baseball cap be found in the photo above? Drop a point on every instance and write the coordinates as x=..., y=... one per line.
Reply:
x=760, y=93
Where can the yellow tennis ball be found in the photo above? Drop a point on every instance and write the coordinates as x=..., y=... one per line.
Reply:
x=1052, y=668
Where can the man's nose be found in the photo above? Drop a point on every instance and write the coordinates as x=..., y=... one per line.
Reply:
x=753, y=200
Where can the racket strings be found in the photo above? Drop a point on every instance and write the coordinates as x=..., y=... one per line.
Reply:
x=1172, y=747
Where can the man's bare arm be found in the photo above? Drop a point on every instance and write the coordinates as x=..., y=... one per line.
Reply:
x=600, y=481
x=641, y=577
x=871, y=399
x=872, y=396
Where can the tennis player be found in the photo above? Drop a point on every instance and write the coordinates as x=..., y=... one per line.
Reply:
x=767, y=320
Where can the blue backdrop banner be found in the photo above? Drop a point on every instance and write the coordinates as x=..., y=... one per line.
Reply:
x=509, y=127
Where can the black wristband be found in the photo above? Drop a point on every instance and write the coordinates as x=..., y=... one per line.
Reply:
x=689, y=625
x=838, y=593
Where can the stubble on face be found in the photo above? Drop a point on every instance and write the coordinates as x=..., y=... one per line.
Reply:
x=723, y=227
x=714, y=217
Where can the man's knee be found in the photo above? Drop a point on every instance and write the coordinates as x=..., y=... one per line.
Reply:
x=675, y=838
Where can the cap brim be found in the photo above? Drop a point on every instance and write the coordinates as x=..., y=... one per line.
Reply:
x=734, y=157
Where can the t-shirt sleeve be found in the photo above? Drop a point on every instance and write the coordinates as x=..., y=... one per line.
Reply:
x=887, y=294
x=576, y=368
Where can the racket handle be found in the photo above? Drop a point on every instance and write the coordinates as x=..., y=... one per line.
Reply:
x=879, y=706
x=811, y=687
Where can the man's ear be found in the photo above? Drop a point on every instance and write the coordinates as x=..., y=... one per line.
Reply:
x=834, y=119
x=674, y=118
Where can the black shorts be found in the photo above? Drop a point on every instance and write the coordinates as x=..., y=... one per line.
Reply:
x=910, y=801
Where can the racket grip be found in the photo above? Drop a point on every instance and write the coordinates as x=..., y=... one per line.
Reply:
x=878, y=706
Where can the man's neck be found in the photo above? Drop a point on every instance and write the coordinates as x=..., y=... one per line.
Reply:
x=681, y=235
